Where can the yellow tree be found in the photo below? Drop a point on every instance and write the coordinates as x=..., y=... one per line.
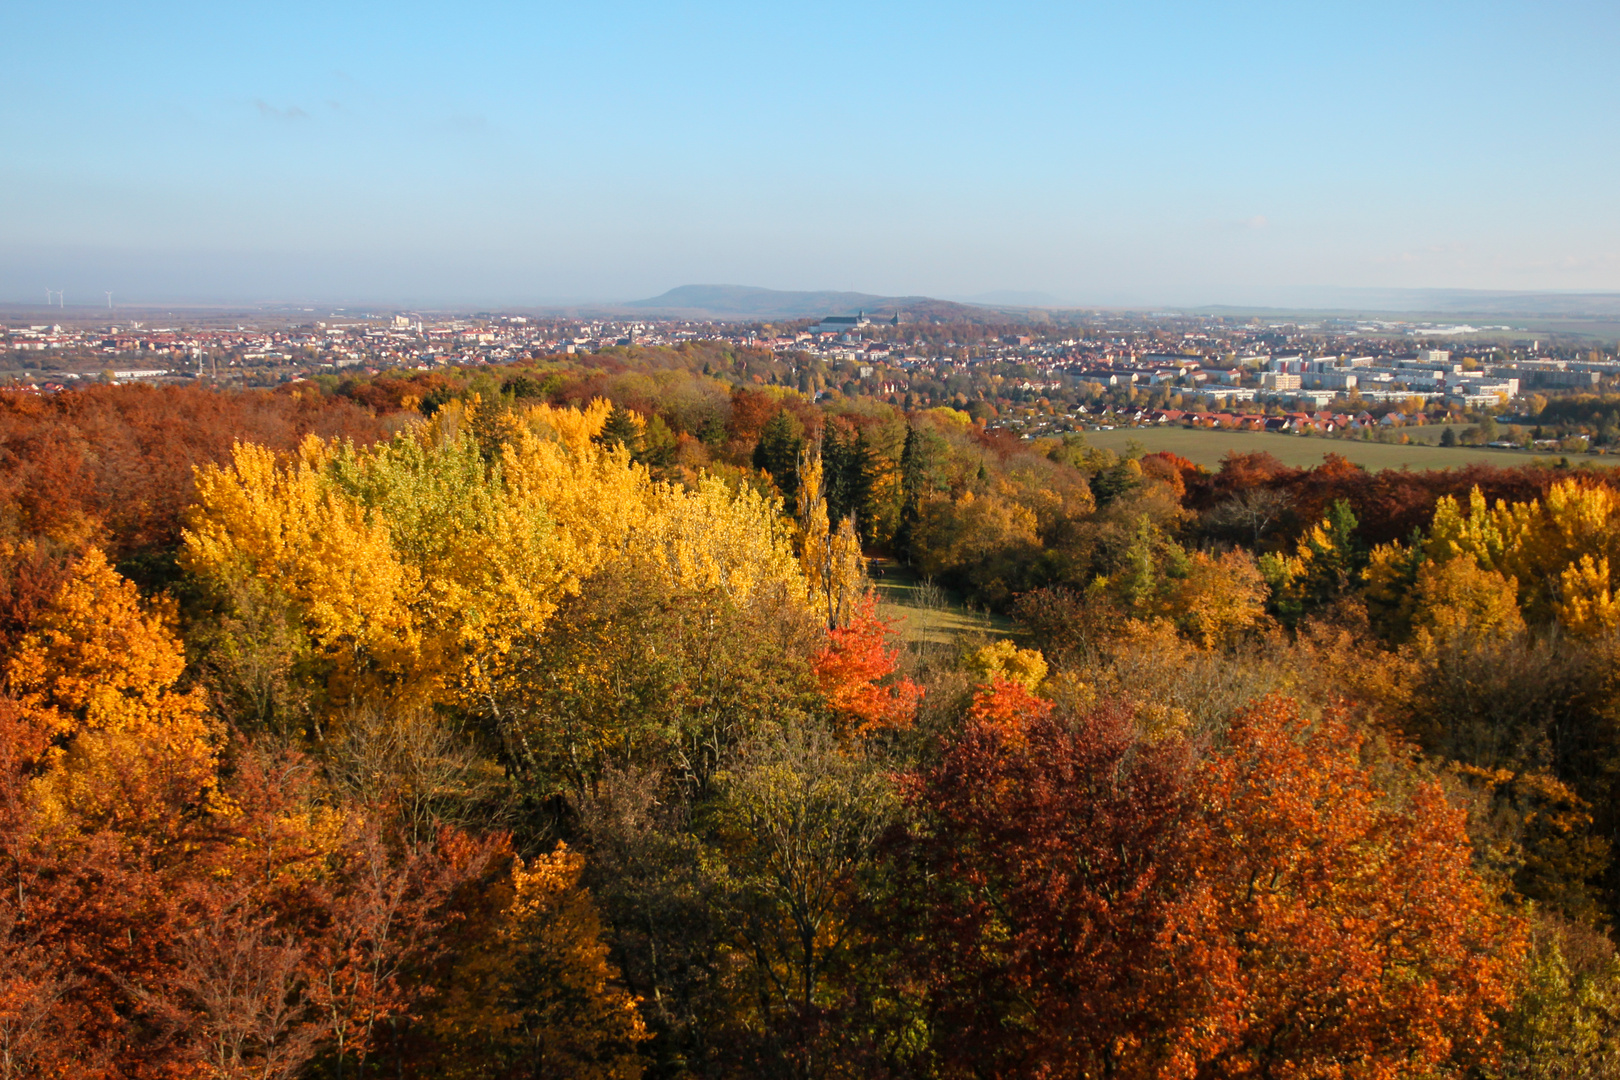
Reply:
x=286, y=527
x=1459, y=598
x=489, y=565
x=425, y=569
x=1452, y=534
x=1587, y=604
x=99, y=672
x=1218, y=598
x=831, y=557
x=706, y=538
x=539, y=994
x=1004, y=660
x=1558, y=553
x=414, y=565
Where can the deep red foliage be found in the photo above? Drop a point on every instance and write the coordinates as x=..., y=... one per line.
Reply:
x=1044, y=897
x=1388, y=504
x=1082, y=901
x=122, y=456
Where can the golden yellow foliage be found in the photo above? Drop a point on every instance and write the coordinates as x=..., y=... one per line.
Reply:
x=1586, y=603
x=1477, y=535
x=1219, y=598
x=417, y=566
x=829, y=557
x=99, y=672
x=287, y=525
x=96, y=659
x=706, y=538
x=1558, y=553
x=1460, y=598
x=1026, y=667
x=540, y=990
x=573, y=428
x=487, y=562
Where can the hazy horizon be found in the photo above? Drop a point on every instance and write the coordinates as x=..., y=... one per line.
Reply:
x=1443, y=304
x=1171, y=153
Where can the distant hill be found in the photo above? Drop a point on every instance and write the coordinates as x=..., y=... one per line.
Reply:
x=747, y=303
x=744, y=302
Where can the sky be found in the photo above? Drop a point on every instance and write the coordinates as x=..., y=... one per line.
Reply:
x=532, y=153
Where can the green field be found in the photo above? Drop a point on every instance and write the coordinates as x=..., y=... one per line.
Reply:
x=1207, y=448
x=931, y=615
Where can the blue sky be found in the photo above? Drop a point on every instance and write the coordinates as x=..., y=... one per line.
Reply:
x=492, y=153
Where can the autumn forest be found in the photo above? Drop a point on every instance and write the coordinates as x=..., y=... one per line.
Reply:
x=545, y=722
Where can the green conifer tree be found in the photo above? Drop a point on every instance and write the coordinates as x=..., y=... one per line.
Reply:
x=780, y=444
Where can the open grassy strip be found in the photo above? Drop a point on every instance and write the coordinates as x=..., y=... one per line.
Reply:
x=921, y=611
x=1207, y=448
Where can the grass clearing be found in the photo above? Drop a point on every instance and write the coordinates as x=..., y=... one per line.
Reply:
x=923, y=612
x=1207, y=448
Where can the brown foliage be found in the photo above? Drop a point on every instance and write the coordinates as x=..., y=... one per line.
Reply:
x=751, y=410
x=1389, y=504
x=118, y=459
x=1170, y=469
x=1097, y=905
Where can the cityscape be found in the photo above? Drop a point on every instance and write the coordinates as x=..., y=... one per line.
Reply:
x=1040, y=376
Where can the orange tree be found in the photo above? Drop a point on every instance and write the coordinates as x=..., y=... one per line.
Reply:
x=177, y=907
x=1082, y=901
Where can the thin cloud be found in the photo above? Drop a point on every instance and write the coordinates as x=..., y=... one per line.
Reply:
x=269, y=111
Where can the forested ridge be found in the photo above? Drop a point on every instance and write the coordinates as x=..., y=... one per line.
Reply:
x=543, y=722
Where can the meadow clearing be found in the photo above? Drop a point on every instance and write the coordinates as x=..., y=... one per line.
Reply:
x=1207, y=448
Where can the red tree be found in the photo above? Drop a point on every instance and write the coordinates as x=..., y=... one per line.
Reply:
x=854, y=670
x=1087, y=903
x=1040, y=889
